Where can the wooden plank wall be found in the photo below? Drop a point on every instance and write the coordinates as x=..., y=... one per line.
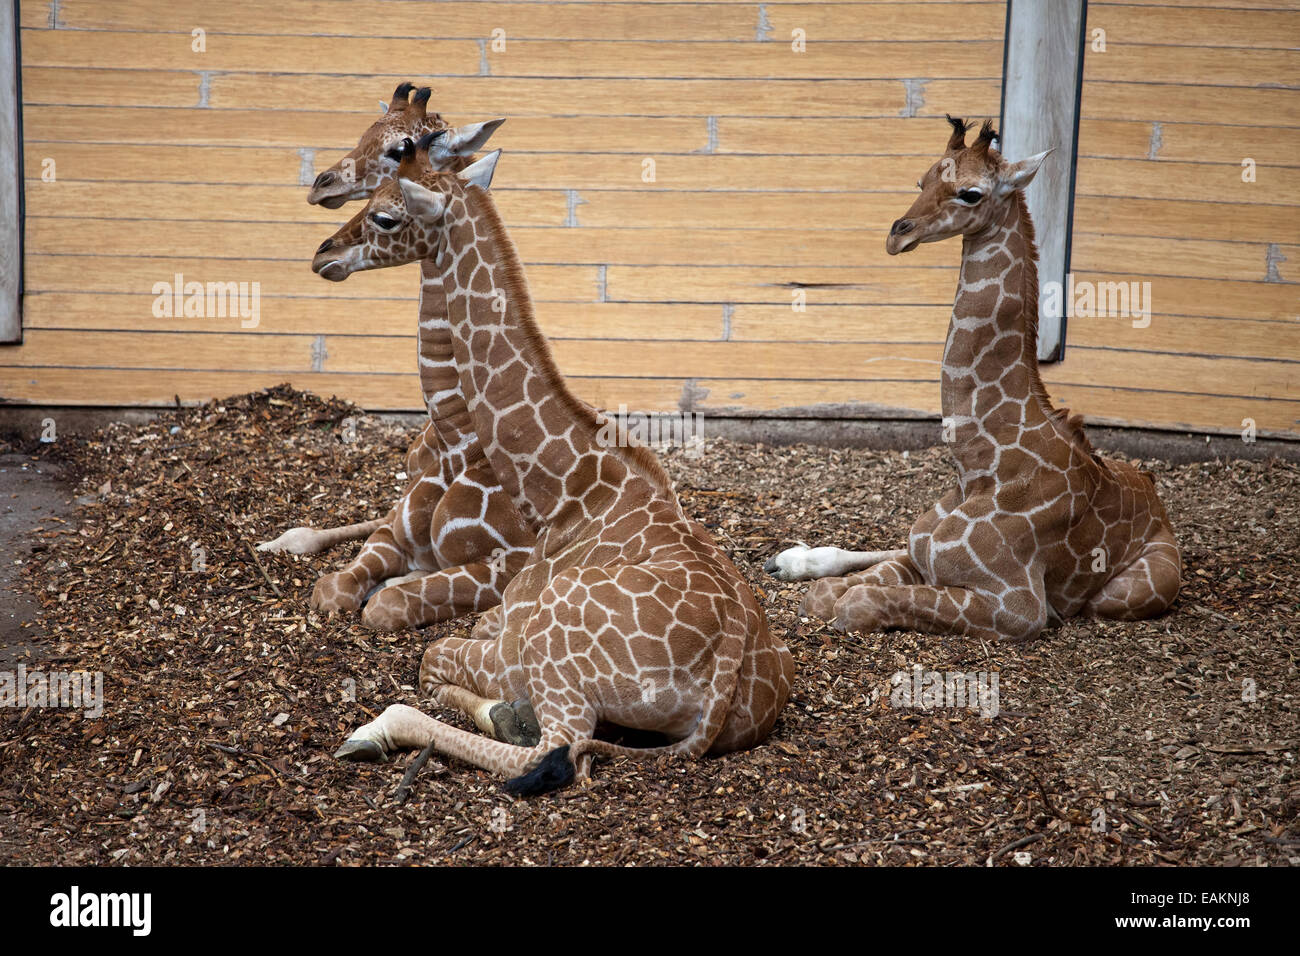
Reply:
x=1181, y=96
x=774, y=169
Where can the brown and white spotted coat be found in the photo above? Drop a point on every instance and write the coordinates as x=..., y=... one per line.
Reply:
x=1040, y=527
x=454, y=539
x=626, y=612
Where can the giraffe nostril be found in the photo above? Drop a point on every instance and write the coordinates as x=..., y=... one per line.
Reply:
x=901, y=227
x=328, y=243
x=323, y=180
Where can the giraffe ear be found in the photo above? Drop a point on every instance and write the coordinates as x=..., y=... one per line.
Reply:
x=479, y=173
x=465, y=140
x=1015, y=176
x=421, y=203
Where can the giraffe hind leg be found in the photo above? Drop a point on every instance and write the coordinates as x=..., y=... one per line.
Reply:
x=824, y=593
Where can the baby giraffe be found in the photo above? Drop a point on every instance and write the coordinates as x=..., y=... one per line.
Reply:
x=626, y=612
x=1040, y=527
x=453, y=540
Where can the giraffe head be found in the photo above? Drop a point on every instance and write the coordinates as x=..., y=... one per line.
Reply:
x=964, y=192
x=374, y=160
x=404, y=219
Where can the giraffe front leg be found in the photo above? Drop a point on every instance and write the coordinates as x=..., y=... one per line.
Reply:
x=823, y=594
x=304, y=540
x=802, y=563
x=1016, y=615
x=1144, y=588
x=346, y=590
x=436, y=596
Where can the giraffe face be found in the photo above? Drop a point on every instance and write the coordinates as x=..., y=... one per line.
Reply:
x=962, y=194
x=377, y=154
x=403, y=221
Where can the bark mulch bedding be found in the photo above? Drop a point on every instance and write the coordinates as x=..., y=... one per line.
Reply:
x=1170, y=741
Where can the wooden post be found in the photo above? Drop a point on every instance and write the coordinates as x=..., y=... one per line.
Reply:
x=1042, y=75
x=11, y=180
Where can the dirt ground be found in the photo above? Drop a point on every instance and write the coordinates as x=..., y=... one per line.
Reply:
x=1170, y=741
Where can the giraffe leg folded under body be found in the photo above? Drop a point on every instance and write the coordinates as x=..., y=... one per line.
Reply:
x=1017, y=615
x=345, y=590
x=305, y=540
x=1143, y=589
x=824, y=593
x=418, y=600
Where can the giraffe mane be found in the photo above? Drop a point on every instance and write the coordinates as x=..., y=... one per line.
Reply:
x=1071, y=425
x=637, y=457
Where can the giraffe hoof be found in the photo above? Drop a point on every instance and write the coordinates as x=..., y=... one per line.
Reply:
x=361, y=750
x=516, y=724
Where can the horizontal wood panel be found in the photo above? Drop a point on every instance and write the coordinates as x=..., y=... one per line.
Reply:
x=1110, y=367
x=519, y=207
x=1170, y=24
x=1235, y=222
x=461, y=98
x=357, y=56
x=128, y=274
x=339, y=131
x=134, y=312
x=1147, y=256
x=1165, y=180
x=648, y=246
x=633, y=246
x=1171, y=103
x=1208, y=67
x=71, y=199
x=926, y=325
x=737, y=21
x=1189, y=142
x=44, y=386
x=485, y=95
x=91, y=162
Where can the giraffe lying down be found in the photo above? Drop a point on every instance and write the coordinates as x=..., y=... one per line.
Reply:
x=453, y=539
x=626, y=612
x=1040, y=527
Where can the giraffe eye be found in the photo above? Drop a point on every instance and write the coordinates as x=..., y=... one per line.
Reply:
x=970, y=196
x=383, y=221
x=395, y=154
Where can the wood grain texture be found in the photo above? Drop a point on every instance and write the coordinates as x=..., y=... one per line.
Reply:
x=749, y=276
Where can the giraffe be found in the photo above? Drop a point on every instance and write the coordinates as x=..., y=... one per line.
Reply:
x=453, y=539
x=626, y=612
x=1040, y=527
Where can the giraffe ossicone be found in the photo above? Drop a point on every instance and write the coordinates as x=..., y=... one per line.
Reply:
x=453, y=539
x=626, y=612
x=1040, y=527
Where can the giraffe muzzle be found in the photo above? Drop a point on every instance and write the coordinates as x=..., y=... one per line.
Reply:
x=328, y=265
x=901, y=237
x=320, y=195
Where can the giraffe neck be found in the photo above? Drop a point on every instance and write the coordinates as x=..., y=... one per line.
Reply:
x=549, y=450
x=439, y=379
x=990, y=362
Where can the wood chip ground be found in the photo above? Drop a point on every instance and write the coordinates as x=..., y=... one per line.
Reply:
x=1170, y=741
